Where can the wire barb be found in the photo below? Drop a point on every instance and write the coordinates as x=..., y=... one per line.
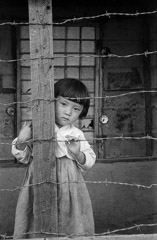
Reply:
x=146, y=53
x=74, y=19
x=105, y=182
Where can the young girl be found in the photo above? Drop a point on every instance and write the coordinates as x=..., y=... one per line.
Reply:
x=73, y=155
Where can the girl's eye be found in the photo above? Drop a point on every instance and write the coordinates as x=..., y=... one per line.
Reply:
x=76, y=109
x=63, y=103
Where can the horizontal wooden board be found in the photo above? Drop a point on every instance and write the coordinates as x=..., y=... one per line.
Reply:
x=25, y=73
x=26, y=86
x=25, y=47
x=26, y=60
x=26, y=99
x=26, y=114
x=24, y=32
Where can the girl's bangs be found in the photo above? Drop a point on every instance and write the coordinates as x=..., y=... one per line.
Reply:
x=75, y=96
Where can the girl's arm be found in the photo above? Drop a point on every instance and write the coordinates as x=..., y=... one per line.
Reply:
x=86, y=149
x=90, y=158
x=81, y=151
x=21, y=149
x=23, y=156
x=25, y=134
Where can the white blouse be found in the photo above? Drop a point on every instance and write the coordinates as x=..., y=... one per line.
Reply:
x=61, y=149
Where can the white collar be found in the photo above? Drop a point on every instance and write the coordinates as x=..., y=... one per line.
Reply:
x=63, y=128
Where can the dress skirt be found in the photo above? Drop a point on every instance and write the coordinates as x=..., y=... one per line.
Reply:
x=75, y=215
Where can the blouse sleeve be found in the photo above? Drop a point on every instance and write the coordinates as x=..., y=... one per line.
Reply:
x=89, y=153
x=23, y=156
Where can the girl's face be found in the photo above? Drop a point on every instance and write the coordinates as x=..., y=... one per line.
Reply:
x=66, y=111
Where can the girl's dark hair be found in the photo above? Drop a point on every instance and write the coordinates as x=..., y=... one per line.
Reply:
x=75, y=91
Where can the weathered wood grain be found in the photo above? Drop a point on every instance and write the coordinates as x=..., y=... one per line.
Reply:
x=42, y=76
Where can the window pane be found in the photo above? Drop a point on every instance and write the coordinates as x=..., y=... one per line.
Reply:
x=58, y=72
x=88, y=46
x=73, y=33
x=59, y=60
x=87, y=61
x=59, y=46
x=87, y=72
x=73, y=72
x=73, y=46
x=88, y=33
x=73, y=61
x=58, y=32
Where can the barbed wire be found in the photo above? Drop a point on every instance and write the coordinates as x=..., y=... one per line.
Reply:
x=146, y=53
x=106, y=14
x=138, y=226
x=75, y=19
x=52, y=139
x=105, y=182
x=106, y=97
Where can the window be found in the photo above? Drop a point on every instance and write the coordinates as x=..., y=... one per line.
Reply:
x=70, y=43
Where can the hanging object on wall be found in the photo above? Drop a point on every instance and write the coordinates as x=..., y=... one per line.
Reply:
x=103, y=119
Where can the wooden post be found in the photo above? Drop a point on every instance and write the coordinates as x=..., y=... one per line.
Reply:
x=42, y=77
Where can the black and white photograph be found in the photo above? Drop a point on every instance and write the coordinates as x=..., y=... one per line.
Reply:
x=78, y=119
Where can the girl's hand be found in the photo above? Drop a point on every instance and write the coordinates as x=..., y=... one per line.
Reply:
x=24, y=135
x=73, y=146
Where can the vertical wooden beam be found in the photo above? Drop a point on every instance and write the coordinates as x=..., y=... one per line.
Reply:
x=98, y=91
x=18, y=83
x=42, y=77
x=147, y=85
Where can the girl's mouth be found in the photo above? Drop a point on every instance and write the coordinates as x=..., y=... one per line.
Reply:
x=65, y=119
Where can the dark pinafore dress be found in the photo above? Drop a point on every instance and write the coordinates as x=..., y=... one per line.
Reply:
x=75, y=215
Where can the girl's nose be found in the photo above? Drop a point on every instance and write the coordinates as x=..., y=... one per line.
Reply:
x=68, y=111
